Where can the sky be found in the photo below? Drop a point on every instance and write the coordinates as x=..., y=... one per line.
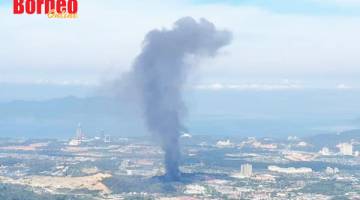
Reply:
x=278, y=45
x=287, y=50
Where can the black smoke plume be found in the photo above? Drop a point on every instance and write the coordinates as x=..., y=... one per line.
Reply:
x=159, y=74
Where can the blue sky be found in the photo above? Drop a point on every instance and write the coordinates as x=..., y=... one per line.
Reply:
x=311, y=7
x=278, y=44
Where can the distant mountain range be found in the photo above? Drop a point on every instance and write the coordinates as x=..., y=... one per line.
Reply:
x=331, y=140
x=240, y=113
x=60, y=117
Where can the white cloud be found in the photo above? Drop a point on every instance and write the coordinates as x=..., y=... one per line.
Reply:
x=251, y=86
x=107, y=36
x=343, y=87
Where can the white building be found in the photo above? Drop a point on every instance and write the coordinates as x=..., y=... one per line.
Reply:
x=330, y=170
x=324, y=151
x=357, y=153
x=302, y=144
x=223, y=144
x=246, y=170
x=195, y=190
x=107, y=138
x=79, y=137
x=345, y=149
x=74, y=142
x=290, y=170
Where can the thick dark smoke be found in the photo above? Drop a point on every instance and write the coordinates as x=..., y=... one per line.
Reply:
x=159, y=74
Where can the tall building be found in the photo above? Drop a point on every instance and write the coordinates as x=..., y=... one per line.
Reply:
x=79, y=137
x=246, y=170
x=79, y=134
x=345, y=149
x=107, y=139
